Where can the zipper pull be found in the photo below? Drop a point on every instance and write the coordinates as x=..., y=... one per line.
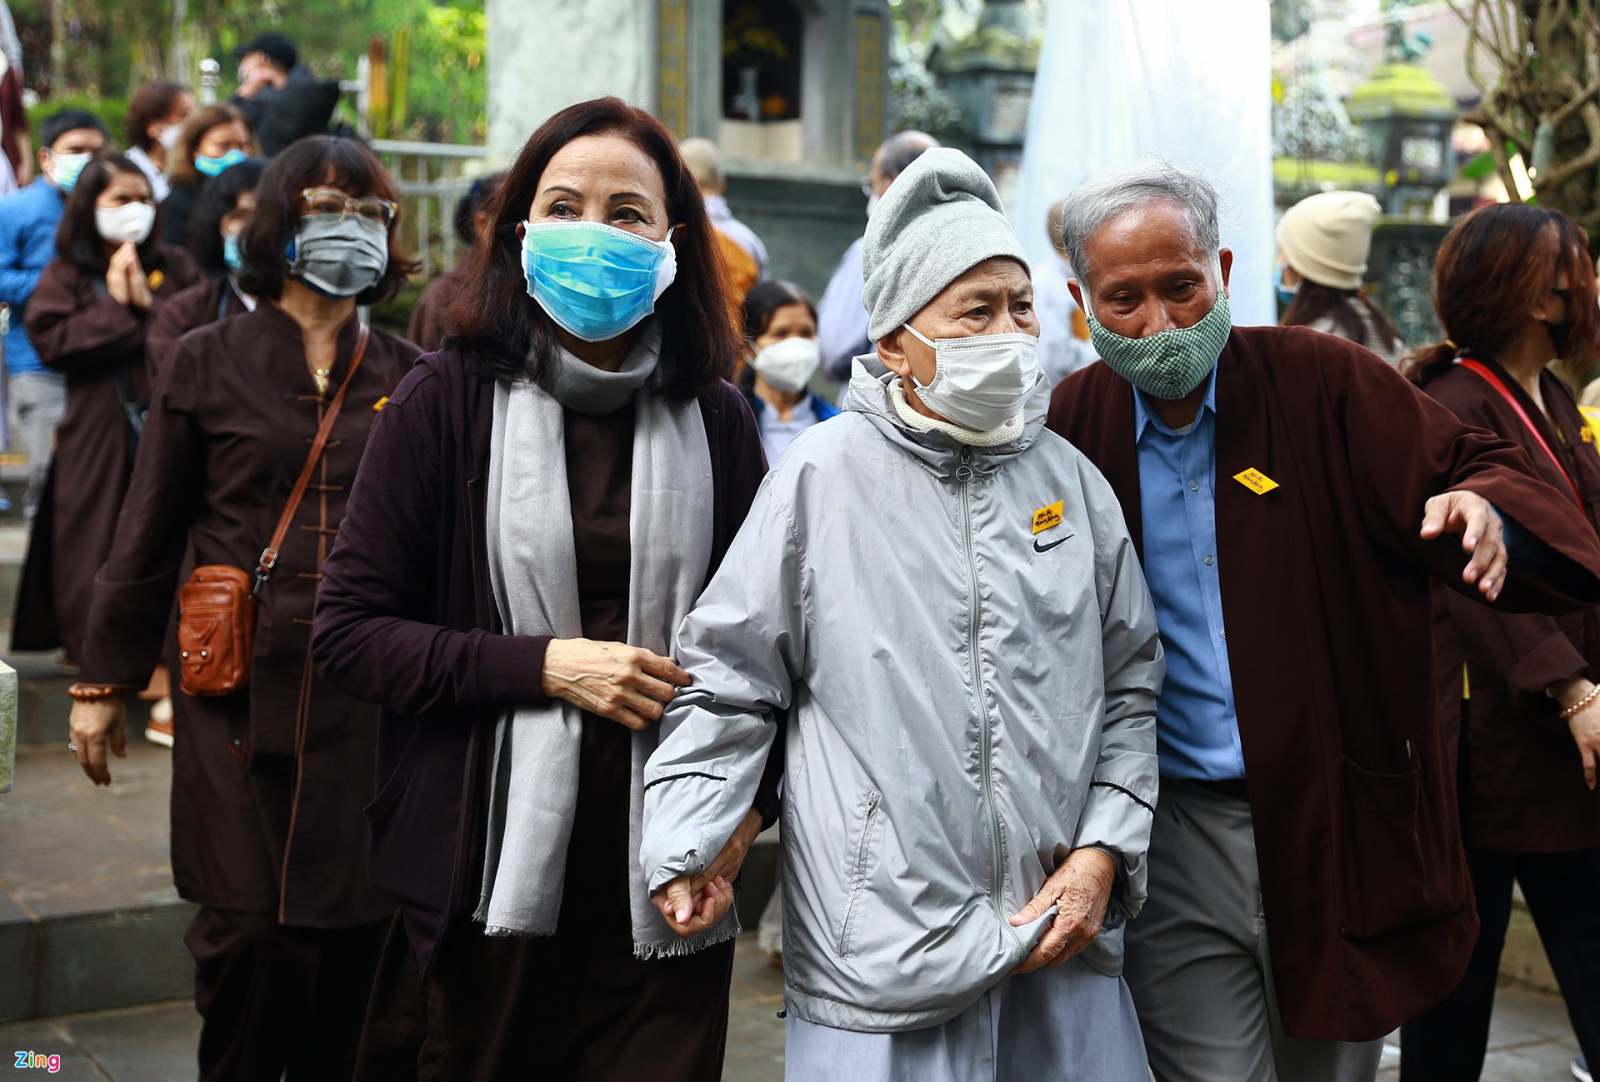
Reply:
x=964, y=472
x=1408, y=751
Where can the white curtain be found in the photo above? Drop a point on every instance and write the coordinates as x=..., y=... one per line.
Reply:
x=1125, y=79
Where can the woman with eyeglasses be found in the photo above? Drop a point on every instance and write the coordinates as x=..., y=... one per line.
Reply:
x=88, y=318
x=268, y=781
x=214, y=139
x=224, y=209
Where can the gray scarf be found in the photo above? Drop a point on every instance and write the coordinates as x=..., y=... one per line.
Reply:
x=533, y=567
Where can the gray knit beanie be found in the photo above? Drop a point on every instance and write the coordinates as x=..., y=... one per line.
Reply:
x=938, y=220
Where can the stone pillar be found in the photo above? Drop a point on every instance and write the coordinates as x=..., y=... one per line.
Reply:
x=8, y=725
x=546, y=56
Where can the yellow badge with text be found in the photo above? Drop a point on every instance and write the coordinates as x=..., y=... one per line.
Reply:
x=154, y=279
x=377, y=407
x=1591, y=426
x=1256, y=481
x=1048, y=516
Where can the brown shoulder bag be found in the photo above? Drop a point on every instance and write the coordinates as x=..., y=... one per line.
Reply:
x=217, y=606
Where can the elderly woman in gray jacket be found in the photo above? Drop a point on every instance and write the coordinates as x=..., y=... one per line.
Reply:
x=944, y=597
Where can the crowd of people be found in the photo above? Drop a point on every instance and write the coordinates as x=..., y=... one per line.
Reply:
x=1138, y=693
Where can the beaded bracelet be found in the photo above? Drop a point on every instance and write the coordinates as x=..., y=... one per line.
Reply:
x=90, y=693
x=1577, y=707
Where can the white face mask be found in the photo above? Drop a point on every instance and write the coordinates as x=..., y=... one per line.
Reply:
x=169, y=136
x=981, y=381
x=788, y=365
x=131, y=221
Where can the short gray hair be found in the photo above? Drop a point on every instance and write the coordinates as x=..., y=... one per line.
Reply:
x=1113, y=193
x=703, y=160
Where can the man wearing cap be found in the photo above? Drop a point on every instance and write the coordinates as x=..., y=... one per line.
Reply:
x=282, y=100
x=944, y=598
x=1323, y=242
x=1293, y=499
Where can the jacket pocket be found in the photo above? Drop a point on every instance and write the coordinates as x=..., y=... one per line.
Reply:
x=1391, y=868
x=861, y=862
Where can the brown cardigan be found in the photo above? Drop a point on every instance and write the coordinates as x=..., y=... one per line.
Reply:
x=268, y=783
x=81, y=331
x=1326, y=590
x=1522, y=780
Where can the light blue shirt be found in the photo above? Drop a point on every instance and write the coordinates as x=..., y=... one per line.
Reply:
x=842, y=317
x=27, y=242
x=1197, y=729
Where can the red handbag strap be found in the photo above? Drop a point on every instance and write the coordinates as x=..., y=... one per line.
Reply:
x=269, y=555
x=1498, y=384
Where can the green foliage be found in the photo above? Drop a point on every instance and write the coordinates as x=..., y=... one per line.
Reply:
x=111, y=112
x=114, y=45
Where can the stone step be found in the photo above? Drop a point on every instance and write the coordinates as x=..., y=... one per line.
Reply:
x=89, y=918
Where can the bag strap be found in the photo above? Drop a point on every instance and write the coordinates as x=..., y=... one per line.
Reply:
x=269, y=555
x=1482, y=370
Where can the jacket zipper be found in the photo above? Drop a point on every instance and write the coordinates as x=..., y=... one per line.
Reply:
x=985, y=756
x=858, y=881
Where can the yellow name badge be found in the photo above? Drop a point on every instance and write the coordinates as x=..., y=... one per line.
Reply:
x=154, y=279
x=1256, y=481
x=380, y=403
x=1591, y=425
x=1049, y=516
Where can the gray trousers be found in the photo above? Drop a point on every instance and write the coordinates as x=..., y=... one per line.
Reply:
x=37, y=401
x=1197, y=958
x=1068, y=1024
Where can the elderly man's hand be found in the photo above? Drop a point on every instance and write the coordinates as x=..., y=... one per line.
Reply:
x=1080, y=890
x=691, y=905
x=1482, y=535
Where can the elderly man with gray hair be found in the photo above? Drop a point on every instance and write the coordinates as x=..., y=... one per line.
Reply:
x=1293, y=500
x=944, y=598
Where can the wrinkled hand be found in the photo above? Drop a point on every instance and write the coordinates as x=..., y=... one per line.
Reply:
x=693, y=904
x=622, y=683
x=93, y=726
x=1080, y=890
x=1482, y=535
x=1585, y=726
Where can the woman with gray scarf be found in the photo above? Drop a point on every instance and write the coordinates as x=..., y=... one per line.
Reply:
x=540, y=504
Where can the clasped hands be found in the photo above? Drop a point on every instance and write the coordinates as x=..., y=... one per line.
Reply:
x=632, y=687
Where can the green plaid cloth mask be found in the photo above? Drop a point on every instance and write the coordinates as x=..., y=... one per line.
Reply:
x=1170, y=364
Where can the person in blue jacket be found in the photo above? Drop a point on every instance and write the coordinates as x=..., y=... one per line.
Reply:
x=68, y=139
x=780, y=327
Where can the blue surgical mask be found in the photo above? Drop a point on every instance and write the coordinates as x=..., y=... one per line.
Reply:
x=65, y=169
x=212, y=167
x=231, y=255
x=1286, y=294
x=594, y=280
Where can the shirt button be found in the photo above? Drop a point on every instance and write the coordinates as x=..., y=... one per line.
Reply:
x=1194, y=486
x=1210, y=560
x=1223, y=634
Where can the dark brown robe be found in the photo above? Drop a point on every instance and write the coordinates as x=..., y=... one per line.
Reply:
x=268, y=783
x=1522, y=778
x=211, y=300
x=1326, y=595
x=427, y=328
x=81, y=331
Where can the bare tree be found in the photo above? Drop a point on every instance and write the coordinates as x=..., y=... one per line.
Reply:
x=1541, y=97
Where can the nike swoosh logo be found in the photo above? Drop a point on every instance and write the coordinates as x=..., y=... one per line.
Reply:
x=1046, y=548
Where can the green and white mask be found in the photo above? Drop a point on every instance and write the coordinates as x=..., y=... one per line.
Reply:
x=1169, y=364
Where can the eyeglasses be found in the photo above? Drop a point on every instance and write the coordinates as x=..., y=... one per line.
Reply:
x=866, y=186
x=328, y=201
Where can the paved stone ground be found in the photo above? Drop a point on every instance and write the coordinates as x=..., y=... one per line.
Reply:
x=1531, y=1040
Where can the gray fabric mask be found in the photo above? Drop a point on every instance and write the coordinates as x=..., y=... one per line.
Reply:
x=339, y=255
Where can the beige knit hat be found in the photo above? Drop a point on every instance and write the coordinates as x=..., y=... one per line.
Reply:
x=1326, y=237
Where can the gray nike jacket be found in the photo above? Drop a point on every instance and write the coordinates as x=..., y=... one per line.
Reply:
x=969, y=698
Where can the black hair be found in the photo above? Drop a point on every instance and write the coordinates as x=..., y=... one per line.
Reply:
x=217, y=199
x=765, y=298
x=78, y=241
x=62, y=121
x=510, y=335
x=474, y=200
x=1314, y=301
